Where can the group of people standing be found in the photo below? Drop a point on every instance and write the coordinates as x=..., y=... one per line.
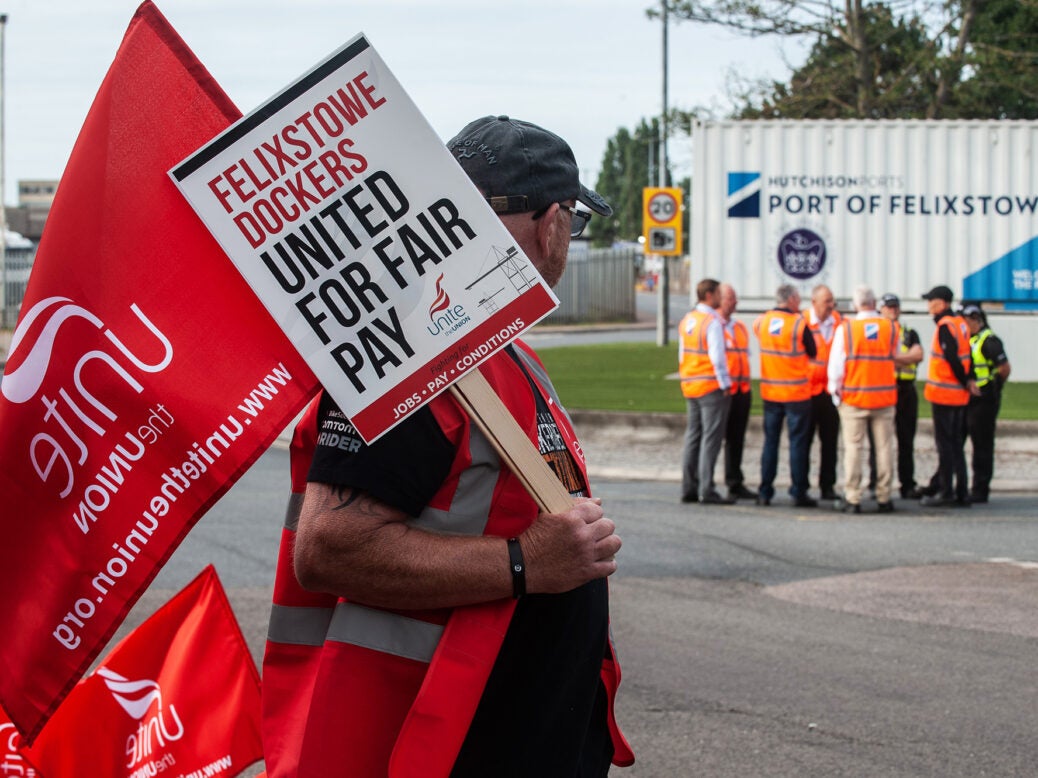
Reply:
x=820, y=372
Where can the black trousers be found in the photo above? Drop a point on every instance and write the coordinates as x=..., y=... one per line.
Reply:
x=949, y=432
x=980, y=427
x=825, y=420
x=906, y=419
x=735, y=438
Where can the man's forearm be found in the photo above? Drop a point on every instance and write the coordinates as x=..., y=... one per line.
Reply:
x=357, y=547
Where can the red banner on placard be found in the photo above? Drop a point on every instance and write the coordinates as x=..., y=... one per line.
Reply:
x=144, y=376
x=178, y=695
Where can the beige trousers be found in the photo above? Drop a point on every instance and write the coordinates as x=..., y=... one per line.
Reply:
x=854, y=423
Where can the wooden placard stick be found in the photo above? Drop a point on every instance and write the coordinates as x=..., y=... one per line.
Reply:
x=485, y=408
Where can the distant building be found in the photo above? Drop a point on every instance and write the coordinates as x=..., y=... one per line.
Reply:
x=34, y=200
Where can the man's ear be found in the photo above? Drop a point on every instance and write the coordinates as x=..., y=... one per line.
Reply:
x=548, y=230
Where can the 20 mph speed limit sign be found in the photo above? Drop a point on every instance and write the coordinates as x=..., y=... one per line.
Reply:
x=662, y=220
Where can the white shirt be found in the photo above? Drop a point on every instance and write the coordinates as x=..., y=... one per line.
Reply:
x=825, y=327
x=838, y=357
x=715, y=345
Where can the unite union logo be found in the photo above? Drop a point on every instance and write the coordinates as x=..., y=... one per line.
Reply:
x=444, y=317
x=441, y=302
x=154, y=731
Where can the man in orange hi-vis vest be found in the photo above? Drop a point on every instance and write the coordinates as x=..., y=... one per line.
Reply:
x=949, y=385
x=431, y=620
x=862, y=381
x=786, y=348
x=703, y=367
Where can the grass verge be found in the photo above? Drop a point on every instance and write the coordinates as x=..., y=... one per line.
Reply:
x=633, y=377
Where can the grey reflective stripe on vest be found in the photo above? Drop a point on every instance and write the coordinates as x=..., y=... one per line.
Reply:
x=295, y=507
x=299, y=626
x=777, y=382
x=847, y=388
x=470, y=506
x=383, y=631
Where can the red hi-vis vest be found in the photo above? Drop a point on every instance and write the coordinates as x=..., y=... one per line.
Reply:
x=819, y=378
x=694, y=366
x=942, y=387
x=870, y=380
x=737, y=349
x=784, y=365
x=350, y=690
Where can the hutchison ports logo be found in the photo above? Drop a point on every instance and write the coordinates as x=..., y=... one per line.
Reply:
x=154, y=731
x=444, y=317
x=743, y=195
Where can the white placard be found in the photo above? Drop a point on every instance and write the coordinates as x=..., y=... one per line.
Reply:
x=364, y=238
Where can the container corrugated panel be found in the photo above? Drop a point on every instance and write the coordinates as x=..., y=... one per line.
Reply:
x=897, y=205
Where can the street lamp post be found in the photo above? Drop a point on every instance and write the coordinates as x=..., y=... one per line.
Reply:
x=663, y=298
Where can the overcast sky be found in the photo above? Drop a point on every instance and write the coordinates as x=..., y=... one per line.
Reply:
x=582, y=68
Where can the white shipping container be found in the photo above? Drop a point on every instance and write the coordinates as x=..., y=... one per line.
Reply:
x=898, y=205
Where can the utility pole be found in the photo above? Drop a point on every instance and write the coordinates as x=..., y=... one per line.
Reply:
x=663, y=292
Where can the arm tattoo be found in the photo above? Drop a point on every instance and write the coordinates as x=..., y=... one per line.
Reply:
x=346, y=500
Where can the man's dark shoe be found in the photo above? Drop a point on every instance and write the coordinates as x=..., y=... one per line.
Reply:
x=912, y=493
x=885, y=507
x=713, y=498
x=805, y=502
x=928, y=491
x=763, y=501
x=689, y=498
x=847, y=507
x=979, y=498
x=740, y=492
x=829, y=494
x=937, y=501
x=962, y=502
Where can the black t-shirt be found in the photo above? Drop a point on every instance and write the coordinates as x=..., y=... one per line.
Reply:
x=543, y=712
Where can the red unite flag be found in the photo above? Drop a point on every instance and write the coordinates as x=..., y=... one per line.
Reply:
x=12, y=760
x=144, y=376
x=180, y=695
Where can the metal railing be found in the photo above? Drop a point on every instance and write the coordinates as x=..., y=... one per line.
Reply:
x=14, y=277
x=598, y=286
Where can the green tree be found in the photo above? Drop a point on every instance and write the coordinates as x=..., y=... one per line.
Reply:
x=1002, y=62
x=629, y=164
x=900, y=58
x=832, y=85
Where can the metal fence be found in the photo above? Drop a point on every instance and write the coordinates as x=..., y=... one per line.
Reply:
x=598, y=286
x=14, y=276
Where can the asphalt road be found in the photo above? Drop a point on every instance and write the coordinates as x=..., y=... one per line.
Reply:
x=767, y=642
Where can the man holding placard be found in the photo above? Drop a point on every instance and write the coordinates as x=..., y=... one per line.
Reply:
x=473, y=635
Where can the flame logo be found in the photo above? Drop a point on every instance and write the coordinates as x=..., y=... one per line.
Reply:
x=135, y=697
x=442, y=301
x=22, y=383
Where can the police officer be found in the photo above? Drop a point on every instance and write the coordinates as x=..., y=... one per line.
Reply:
x=949, y=384
x=991, y=369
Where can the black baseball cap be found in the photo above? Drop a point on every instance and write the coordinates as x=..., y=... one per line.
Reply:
x=974, y=311
x=940, y=293
x=890, y=301
x=521, y=167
